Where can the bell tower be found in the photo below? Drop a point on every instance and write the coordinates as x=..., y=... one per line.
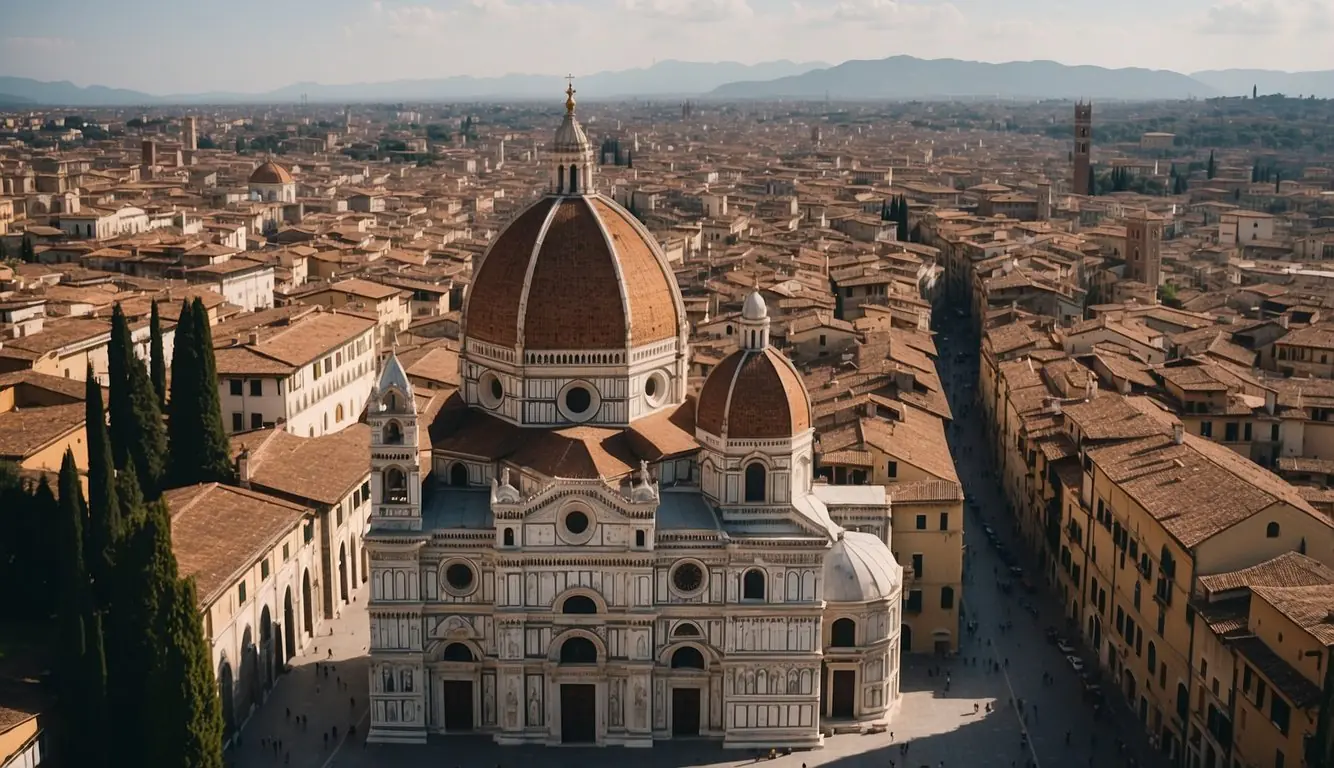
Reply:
x=572, y=161
x=395, y=471
x=1083, y=148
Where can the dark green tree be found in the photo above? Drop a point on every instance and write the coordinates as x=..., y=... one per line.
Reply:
x=157, y=360
x=104, y=518
x=903, y=219
x=4, y=251
x=1212, y=167
x=137, y=433
x=630, y=159
x=27, y=253
x=191, y=728
x=1278, y=181
x=83, y=662
x=200, y=451
x=144, y=580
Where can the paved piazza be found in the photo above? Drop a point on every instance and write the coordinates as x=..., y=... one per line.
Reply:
x=940, y=726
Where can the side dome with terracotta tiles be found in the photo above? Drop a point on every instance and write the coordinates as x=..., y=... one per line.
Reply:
x=270, y=173
x=573, y=273
x=754, y=394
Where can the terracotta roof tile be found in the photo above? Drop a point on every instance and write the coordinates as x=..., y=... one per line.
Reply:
x=493, y=301
x=217, y=531
x=574, y=299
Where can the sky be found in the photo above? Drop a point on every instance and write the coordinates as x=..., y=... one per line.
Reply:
x=184, y=46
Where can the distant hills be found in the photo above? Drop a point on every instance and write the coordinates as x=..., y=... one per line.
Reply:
x=894, y=78
x=665, y=78
x=906, y=77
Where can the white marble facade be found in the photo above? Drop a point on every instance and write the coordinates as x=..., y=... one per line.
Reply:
x=707, y=591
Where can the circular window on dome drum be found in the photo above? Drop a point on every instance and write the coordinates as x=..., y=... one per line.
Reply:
x=578, y=401
x=576, y=524
x=459, y=578
x=655, y=389
x=490, y=390
x=688, y=578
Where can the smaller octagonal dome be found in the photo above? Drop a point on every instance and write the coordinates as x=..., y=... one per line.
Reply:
x=859, y=568
x=754, y=394
x=271, y=173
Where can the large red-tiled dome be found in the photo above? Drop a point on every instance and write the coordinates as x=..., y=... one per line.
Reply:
x=573, y=273
x=754, y=395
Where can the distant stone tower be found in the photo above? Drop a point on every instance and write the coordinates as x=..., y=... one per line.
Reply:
x=190, y=132
x=1144, y=245
x=1083, y=146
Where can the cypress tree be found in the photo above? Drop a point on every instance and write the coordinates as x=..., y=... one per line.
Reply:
x=143, y=580
x=191, y=733
x=157, y=361
x=83, y=663
x=200, y=451
x=903, y=219
x=1212, y=167
x=27, y=253
x=104, y=518
x=137, y=432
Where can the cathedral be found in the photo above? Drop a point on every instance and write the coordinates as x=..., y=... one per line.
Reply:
x=587, y=552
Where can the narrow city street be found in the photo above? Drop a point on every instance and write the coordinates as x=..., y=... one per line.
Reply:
x=1013, y=609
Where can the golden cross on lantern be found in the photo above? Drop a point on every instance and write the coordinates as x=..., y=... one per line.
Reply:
x=569, y=93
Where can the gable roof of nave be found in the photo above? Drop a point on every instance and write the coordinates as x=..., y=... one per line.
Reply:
x=575, y=452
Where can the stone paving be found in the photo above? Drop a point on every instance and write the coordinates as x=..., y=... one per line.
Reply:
x=939, y=726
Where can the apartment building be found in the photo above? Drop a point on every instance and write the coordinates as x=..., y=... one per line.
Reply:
x=312, y=376
x=1129, y=512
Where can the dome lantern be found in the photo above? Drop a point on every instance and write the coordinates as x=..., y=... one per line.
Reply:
x=754, y=323
x=571, y=153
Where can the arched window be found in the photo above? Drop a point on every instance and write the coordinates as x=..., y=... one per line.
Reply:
x=391, y=401
x=560, y=178
x=947, y=598
x=338, y=416
x=458, y=475
x=393, y=433
x=756, y=478
x=843, y=634
x=579, y=604
x=685, y=629
x=574, y=179
x=578, y=650
x=457, y=652
x=395, y=486
x=687, y=657
x=752, y=585
x=509, y=537
x=1271, y=531
x=1153, y=656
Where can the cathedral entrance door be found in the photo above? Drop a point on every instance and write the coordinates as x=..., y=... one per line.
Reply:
x=845, y=693
x=458, y=705
x=685, y=711
x=578, y=713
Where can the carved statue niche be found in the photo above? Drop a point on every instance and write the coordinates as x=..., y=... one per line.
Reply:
x=614, y=702
x=534, y=709
x=641, y=706
x=512, y=706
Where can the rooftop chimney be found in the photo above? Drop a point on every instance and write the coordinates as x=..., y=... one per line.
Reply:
x=1178, y=433
x=253, y=338
x=243, y=467
x=1091, y=389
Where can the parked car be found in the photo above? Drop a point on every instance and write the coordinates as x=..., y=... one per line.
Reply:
x=1076, y=663
x=1064, y=647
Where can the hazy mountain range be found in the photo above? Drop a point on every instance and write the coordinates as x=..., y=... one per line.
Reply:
x=894, y=78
